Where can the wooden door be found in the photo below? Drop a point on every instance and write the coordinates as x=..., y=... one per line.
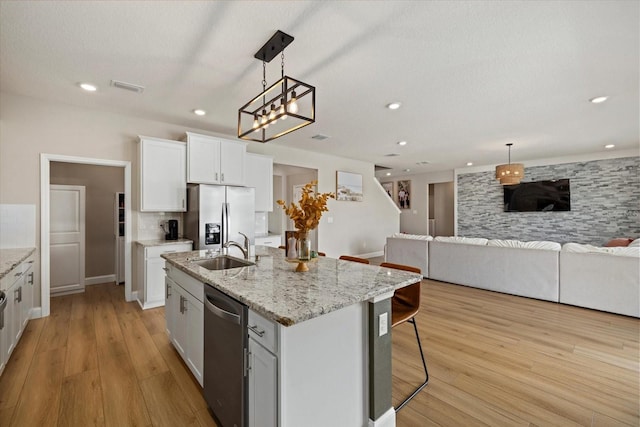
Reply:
x=67, y=238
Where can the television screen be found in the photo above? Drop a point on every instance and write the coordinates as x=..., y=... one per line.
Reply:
x=538, y=196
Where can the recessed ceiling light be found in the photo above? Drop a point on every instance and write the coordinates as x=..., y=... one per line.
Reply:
x=598, y=99
x=402, y=143
x=394, y=105
x=469, y=163
x=199, y=112
x=407, y=170
x=88, y=87
x=388, y=174
x=609, y=146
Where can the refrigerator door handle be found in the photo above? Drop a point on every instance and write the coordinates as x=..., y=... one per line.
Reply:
x=226, y=217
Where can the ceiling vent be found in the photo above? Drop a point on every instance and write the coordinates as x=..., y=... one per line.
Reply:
x=391, y=155
x=320, y=137
x=423, y=163
x=127, y=86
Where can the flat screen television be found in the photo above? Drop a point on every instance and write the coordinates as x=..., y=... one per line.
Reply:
x=538, y=196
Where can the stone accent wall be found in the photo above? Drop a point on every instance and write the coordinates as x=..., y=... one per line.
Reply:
x=605, y=204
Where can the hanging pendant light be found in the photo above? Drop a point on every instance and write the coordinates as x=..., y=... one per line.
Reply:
x=297, y=100
x=511, y=173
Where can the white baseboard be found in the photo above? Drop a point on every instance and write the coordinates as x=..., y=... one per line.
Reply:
x=96, y=280
x=134, y=297
x=35, y=313
x=388, y=419
x=371, y=254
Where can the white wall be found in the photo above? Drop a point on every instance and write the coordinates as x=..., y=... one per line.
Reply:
x=29, y=127
x=415, y=220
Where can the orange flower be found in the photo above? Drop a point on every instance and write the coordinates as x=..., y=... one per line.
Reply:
x=307, y=213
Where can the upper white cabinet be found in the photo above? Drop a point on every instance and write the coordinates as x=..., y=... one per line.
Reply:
x=163, y=185
x=214, y=160
x=260, y=176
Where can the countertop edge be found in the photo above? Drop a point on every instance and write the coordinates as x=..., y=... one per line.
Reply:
x=16, y=262
x=160, y=242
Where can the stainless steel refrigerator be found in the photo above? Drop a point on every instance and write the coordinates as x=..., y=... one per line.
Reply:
x=217, y=214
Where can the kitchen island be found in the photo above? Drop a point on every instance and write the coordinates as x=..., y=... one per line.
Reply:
x=327, y=332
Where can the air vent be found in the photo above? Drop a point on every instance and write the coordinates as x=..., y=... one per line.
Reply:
x=423, y=163
x=127, y=86
x=391, y=155
x=320, y=137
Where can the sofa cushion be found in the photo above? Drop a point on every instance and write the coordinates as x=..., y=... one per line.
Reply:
x=412, y=236
x=632, y=251
x=458, y=239
x=544, y=245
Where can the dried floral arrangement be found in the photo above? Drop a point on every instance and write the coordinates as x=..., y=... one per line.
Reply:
x=307, y=213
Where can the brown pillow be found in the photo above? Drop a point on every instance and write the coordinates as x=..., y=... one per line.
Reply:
x=618, y=242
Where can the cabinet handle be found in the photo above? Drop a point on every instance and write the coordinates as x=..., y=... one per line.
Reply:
x=31, y=278
x=18, y=274
x=165, y=269
x=182, y=300
x=257, y=331
x=222, y=177
x=30, y=262
x=168, y=293
x=16, y=295
x=182, y=203
x=20, y=293
x=216, y=176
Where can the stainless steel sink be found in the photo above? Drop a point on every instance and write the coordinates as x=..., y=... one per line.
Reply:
x=222, y=262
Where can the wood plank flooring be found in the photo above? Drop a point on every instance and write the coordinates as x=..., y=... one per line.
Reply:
x=494, y=360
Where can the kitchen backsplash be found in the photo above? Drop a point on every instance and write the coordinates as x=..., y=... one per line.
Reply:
x=149, y=224
x=17, y=226
x=262, y=224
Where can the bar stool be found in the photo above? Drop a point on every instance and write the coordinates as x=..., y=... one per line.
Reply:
x=354, y=259
x=405, y=304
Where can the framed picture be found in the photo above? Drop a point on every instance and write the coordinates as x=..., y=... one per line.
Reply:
x=404, y=194
x=349, y=186
x=388, y=187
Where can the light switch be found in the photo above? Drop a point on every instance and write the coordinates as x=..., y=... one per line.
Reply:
x=330, y=220
x=383, y=324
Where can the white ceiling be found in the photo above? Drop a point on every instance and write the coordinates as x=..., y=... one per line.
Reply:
x=471, y=75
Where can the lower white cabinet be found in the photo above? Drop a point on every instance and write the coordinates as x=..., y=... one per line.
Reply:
x=263, y=386
x=18, y=288
x=151, y=272
x=263, y=371
x=184, y=312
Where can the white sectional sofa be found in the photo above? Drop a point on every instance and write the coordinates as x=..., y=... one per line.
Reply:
x=529, y=269
x=606, y=279
x=409, y=249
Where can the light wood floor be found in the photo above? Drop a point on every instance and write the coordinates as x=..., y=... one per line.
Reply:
x=494, y=360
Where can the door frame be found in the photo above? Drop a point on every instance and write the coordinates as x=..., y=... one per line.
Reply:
x=83, y=243
x=45, y=255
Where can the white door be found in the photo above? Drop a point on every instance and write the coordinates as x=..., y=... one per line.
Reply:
x=67, y=233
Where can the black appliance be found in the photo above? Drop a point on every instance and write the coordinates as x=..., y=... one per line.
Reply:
x=538, y=196
x=172, y=234
x=226, y=367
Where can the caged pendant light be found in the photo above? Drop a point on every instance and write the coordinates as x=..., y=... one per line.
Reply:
x=285, y=106
x=511, y=173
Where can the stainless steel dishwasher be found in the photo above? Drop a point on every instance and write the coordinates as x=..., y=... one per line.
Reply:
x=225, y=358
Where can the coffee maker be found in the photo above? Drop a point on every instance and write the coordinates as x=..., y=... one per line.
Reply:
x=173, y=230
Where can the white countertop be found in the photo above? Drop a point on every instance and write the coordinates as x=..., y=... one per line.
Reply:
x=273, y=289
x=161, y=242
x=11, y=258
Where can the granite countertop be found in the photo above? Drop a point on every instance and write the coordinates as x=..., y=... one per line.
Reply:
x=273, y=289
x=11, y=258
x=161, y=242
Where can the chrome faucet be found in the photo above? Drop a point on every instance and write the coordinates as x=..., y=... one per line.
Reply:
x=245, y=249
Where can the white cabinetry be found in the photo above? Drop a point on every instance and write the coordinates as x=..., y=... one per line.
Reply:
x=184, y=313
x=163, y=185
x=260, y=176
x=263, y=372
x=151, y=273
x=214, y=160
x=18, y=288
x=273, y=240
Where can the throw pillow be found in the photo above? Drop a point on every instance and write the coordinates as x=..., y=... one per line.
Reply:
x=618, y=242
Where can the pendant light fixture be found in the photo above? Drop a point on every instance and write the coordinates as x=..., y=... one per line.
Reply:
x=511, y=173
x=263, y=118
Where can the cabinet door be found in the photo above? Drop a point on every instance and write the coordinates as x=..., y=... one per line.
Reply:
x=263, y=386
x=179, y=331
x=259, y=174
x=232, y=158
x=163, y=177
x=154, y=282
x=203, y=159
x=16, y=314
x=170, y=307
x=27, y=298
x=195, y=336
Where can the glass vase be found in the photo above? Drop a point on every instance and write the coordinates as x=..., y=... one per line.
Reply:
x=304, y=246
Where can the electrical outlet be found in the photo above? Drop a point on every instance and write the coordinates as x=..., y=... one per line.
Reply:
x=383, y=324
x=329, y=220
